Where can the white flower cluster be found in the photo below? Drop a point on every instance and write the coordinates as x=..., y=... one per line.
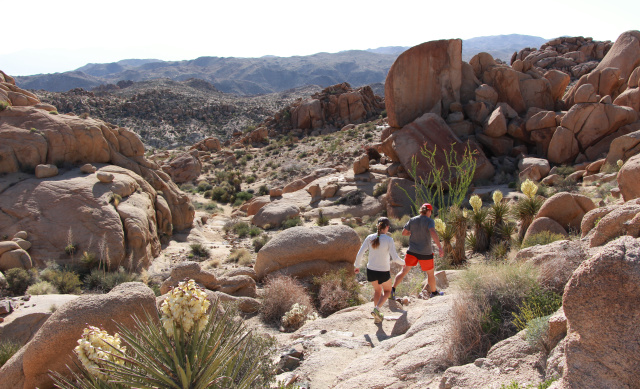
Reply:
x=296, y=316
x=95, y=346
x=185, y=307
x=497, y=197
x=529, y=188
x=440, y=226
x=619, y=163
x=476, y=203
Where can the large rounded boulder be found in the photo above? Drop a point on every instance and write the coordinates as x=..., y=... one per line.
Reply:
x=308, y=251
x=567, y=209
x=602, y=305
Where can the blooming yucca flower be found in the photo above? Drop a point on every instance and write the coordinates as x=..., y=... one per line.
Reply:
x=95, y=346
x=476, y=203
x=620, y=163
x=497, y=197
x=296, y=317
x=185, y=307
x=529, y=188
x=440, y=226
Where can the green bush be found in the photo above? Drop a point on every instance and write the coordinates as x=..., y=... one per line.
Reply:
x=292, y=222
x=542, y=238
x=18, y=280
x=263, y=190
x=538, y=303
x=381, y=188
x=42, y=287
x=66, y=281
x=105, y=281
x=336, y=290
x=322, y=220
x=204, y=186
x=7, y=349
x=259, y=242
x=241, y=197
x=199, y=251
x=71, y=249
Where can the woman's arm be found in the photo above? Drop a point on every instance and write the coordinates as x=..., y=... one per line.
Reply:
x=363, y=249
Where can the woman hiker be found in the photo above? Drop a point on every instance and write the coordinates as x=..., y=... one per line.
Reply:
x=381, y=248
x=420, y=230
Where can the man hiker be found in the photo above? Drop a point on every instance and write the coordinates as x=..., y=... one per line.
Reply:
x=421, y=231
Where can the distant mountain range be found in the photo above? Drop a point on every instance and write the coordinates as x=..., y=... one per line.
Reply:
x=254, y=76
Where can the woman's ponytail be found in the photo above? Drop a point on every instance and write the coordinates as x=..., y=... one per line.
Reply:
x=383, y=223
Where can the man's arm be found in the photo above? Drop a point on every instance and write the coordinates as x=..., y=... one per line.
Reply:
x=435, y=238
x=406, y=232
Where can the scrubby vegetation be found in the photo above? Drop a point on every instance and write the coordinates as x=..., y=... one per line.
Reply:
x=335, y=291
x=280, y=294
x=7, y=349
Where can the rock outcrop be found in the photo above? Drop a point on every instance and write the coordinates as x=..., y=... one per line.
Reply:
x=603, y=346
x=150, y=204
x=307, y=251
x=186, y=167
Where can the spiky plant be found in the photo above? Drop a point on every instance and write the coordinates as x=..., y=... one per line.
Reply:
x=480, y=241
x=446, y=234
x=457, y=218
x=498, y=214
x=527, y=208
x=186, y=351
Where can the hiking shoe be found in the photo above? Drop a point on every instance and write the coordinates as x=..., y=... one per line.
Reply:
x=436, y=293
x=377, y=316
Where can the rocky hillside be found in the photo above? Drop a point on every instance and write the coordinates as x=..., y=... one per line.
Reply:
x=168, y=113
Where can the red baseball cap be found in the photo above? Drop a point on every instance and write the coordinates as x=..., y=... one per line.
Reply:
x=427, y=206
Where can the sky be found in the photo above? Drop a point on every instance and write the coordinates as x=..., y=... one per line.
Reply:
x=48, y=37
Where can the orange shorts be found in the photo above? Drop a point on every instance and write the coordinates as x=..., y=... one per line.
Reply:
x=425, y=264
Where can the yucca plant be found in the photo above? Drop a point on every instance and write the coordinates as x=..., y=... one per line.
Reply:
x=192, y=349
x=446, y=233
x=498, y=214
x=457, y=218
x=527, y=208
x=480, y=241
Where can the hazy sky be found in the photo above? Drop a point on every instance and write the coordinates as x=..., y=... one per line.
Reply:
x=47, y=37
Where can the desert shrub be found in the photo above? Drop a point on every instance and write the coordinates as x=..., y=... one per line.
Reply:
x=322, y=220
x=212, y=207
x=105, y=281
x=381, y=188
x=279, y=295
x=198, y=251
x=66, y=281
x=204, y=186
x=398, y=224
x=42, y=287
x=4, y=105
x=355, y=197
x=400, y=240
x=538, y=303
x=516, y=385
x=483, y=312
x=18, y=280
x=259, y=242
x=240, y=256
x=241, y=197
x=542, y=238
x=7, y=349
x=263, y=190
x=218, y=353
x=292, y=222
x=363, y=231
x=336, y=290
x=89, y=261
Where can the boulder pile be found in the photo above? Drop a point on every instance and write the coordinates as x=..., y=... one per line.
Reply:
x=48, y=191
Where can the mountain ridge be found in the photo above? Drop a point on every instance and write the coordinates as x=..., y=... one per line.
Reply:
x=267, y=74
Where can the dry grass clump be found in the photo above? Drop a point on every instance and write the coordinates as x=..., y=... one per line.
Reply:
x=42, y=287
x=483, y=313
x=241, y=257
x=279, y=295
x=336, y=290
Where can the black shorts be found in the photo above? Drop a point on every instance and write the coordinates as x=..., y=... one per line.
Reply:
x=380, y=276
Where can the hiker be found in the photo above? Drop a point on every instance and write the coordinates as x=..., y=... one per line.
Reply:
x=381, y=247
x=421, y=231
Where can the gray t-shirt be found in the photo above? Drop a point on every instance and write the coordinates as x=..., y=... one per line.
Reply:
x=420, y=238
